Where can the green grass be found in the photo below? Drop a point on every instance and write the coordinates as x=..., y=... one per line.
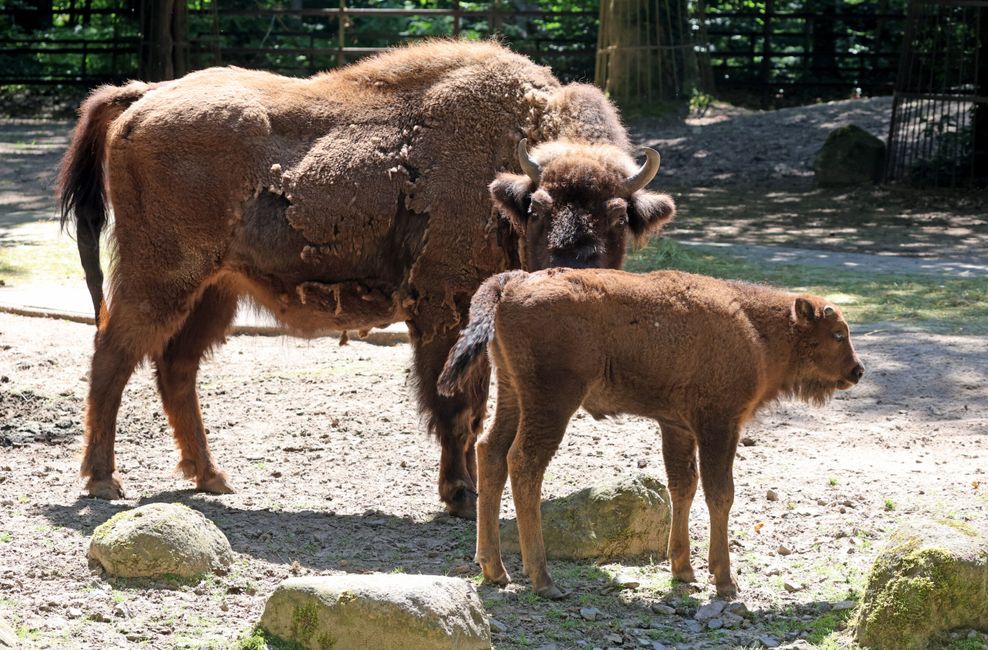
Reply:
x=955, y=305
x=54, y=261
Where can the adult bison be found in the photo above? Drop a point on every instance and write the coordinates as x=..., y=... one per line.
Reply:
x=348, y=200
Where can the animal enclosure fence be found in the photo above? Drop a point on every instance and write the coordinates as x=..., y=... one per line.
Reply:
x=939, y=129
x=766, y=52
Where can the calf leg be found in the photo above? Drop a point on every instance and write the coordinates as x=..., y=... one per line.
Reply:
x=177, y=368
x=543, y=424
x=717, y=448
x=679, y=456
x=492, y=472
x=456, y=421
x=113, y=364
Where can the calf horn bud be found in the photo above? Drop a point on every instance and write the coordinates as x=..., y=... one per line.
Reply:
x=528, y=165
x=829, y=312
x=645, y=173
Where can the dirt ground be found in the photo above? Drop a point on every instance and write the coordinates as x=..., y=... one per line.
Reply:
x=334, y=475
x=334, y=472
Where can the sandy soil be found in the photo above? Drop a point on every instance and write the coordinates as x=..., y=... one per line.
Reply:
x=334, y=475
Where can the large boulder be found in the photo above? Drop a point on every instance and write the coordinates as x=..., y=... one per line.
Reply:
x=850, y=156
x=624, y=518
x=381, y=611
x=929, y=578
x=159, y=539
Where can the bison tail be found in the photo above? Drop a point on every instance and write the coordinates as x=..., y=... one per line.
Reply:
x=469, y=349
x=81, y=182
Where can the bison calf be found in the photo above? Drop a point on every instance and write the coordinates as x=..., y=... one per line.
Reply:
x=698, y=355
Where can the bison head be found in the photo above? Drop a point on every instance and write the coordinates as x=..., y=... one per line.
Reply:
x=576, y=204
x=827, y=360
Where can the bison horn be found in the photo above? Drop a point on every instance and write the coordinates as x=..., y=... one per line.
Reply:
x=528, y=164
x=645, y=173
x=828, y=312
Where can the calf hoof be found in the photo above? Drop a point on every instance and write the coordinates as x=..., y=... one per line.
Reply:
x=108, y=488
x=216, y=484
x=687, y=576
x=464, y=504
x=727, y=590
x=499, y=580
x=552, y=592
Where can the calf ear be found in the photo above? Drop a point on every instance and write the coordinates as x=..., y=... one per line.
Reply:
x=803, y=310
x=511, y=194
x=648, y=212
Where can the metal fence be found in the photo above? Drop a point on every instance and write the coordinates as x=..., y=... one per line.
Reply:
x=939, y=129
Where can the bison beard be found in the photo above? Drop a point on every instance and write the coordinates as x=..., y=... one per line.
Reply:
x=697, y=355
x=349, y=200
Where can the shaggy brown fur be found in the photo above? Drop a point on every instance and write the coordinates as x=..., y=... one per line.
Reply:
x=696, y=354
x=349, y=200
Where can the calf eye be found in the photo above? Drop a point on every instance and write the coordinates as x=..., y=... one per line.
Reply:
x=838, y=336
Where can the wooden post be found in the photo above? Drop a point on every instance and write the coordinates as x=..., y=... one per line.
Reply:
x=341, y=36
x=164, y=45
x=766, y=68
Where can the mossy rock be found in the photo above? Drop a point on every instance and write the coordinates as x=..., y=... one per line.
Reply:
x=850, y=156
x=930, y=577
x=627, y=517
x=160, y=539
x=381, y=611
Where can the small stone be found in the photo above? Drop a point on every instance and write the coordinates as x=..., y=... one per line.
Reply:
x=663, y=609
x=463, y=569
x=616, y=639
x=498, y=626
x=74, y=612
x=710, y=610
x=8, y=637
x=694, y=626
x=715, y=623
x=658, y=646
x=768, y=641
x=844, y=604
x=772, y=495
x=589, y=613
x=747, y=441
x=792, y=587
x=623, y=581
x=738, y=609
x=643, y=642
x=731, y=621
x=783, y=550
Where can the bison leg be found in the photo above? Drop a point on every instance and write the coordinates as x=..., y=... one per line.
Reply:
x=177, y=368
x=492, y=472
x=456, y=421
x=679, y=456
x=113, y=364
x=717, y=448
x=542, y=427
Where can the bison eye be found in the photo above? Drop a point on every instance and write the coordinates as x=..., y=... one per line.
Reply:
x=838, y=336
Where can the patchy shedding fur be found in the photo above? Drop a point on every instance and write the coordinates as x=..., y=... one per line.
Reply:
x=697, y=355
x=352, y=199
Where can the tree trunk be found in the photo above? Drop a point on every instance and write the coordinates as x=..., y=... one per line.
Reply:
x=164, y=50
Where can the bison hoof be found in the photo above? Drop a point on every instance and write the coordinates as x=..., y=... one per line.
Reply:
x=552, y=592
x=727, y=590
x=686, y=576
x=500, y=580
x=215, y=485
x=464, y=504
x=109, y=488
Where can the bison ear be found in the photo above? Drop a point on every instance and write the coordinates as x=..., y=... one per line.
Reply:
x=512, y=194
x=803, y=310
x=648, y=212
